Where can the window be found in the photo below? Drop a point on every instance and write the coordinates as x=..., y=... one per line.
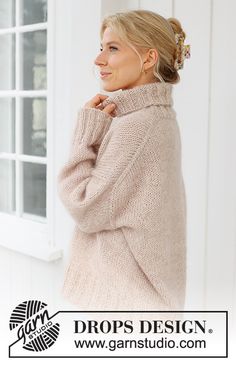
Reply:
x=24, y=110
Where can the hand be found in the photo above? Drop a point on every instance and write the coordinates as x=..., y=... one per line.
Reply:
x=96, y=101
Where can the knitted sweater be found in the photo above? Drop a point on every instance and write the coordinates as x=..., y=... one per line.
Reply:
x=123, y=187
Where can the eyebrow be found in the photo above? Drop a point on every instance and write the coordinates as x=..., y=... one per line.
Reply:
x=111, y=42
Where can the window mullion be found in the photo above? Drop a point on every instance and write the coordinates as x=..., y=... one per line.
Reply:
x=24, y=28
x=24, y=93
x=50, y=116
x=17, y=114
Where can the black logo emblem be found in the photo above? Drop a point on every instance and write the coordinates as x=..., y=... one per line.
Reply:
x=34, y=325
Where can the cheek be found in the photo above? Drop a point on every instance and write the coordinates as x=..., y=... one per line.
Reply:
x=127, y=64
x=117, y=62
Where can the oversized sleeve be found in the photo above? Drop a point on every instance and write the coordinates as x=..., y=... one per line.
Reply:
x=85, y=183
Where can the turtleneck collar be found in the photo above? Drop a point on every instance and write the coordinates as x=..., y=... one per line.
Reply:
x=141, y=96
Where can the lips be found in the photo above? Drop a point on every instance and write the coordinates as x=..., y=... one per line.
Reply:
x=105, y=73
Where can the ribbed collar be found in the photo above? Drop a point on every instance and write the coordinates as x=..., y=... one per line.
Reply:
x=129, y=100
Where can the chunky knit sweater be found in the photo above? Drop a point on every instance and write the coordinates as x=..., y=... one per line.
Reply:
x=123, y=187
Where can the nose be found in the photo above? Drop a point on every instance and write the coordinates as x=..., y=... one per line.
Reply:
x=100, y=60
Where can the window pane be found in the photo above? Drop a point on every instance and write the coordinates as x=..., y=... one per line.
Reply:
x=34, y=112
x=33, y=53
x=33, y=11
x=7, y=183
x=7, y=61
x=7, y=13
x=34, y=188
x=7, y=125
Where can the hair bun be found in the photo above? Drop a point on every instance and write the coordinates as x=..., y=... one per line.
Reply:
x=176, y=26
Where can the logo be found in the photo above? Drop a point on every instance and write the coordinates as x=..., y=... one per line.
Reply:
x=34, y=326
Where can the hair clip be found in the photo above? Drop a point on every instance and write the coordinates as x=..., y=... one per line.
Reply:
x=178, y=37
x=187, y=51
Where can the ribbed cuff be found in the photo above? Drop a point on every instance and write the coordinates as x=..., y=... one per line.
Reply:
x=91, y=126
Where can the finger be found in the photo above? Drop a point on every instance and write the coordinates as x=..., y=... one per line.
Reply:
x=109, y=108
x=99, y=98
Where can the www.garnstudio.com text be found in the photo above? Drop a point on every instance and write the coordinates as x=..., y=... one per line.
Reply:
x=163, y=342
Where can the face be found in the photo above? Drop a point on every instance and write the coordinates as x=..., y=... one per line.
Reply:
x=119, y=64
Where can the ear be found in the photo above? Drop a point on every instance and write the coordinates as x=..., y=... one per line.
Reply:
x=151, y=58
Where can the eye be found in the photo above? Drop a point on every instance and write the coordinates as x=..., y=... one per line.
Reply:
x=111, y=48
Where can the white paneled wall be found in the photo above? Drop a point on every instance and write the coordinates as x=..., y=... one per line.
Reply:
x=192, y=97
x=204, y=101
x=221, y=227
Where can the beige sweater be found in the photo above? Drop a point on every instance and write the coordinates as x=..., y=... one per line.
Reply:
x=123, y=186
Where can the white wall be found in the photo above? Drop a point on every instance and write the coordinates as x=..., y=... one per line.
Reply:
x=204, y=102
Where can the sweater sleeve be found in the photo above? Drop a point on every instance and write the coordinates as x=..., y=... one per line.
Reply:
x=85, y=183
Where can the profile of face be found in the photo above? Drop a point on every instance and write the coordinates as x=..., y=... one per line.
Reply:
x=119, y=64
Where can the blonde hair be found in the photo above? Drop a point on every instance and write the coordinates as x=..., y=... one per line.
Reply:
x=144, y=29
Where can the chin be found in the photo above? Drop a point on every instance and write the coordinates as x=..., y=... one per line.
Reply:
x=117, y=87
x=110, y=88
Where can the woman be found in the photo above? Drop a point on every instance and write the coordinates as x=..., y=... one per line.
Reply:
x=123, y=182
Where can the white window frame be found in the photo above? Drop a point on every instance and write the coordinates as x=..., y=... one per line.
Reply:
x=35, y=238
x=70, y=84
